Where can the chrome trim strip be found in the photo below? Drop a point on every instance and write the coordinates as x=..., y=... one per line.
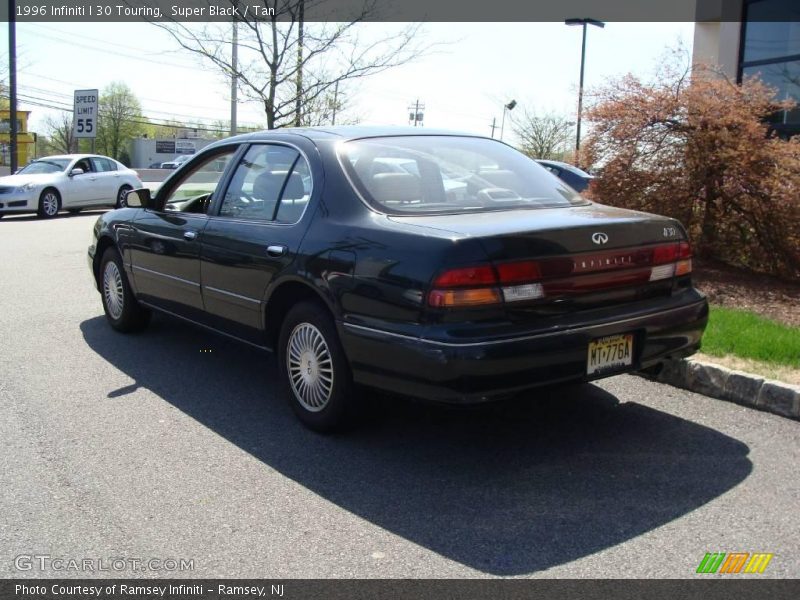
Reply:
x=227, y=293
x=138, y=268
x=204, y=326
x=518, y=339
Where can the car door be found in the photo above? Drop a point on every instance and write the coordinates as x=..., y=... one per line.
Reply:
x=165, y=255
x=253, y=235
x=106, y=181
x=80, y=190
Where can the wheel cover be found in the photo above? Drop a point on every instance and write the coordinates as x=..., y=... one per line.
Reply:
x=310, y=367
x=122, y=198
x=113, y=291
x=50, y=204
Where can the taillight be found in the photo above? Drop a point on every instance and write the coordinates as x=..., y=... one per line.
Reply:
x=517, y=281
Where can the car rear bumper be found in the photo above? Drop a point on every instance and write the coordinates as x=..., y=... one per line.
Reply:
x=476, y=371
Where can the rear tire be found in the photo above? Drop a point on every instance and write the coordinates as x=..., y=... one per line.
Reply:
x=314, y=370
x=49, y=204
x=122, y=310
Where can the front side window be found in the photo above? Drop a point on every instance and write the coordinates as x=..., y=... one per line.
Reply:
x=272, y=183
x=194, y=190
x=422, y=174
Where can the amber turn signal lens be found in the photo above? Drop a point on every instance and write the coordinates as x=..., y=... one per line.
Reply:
x=683, y=267
x=464, y=297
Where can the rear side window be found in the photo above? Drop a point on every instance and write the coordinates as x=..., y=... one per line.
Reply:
x=423, y=174
x=271, y=183
x=103, y=164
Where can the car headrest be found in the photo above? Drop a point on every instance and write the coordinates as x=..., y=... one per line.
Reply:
x=395, y=187
x=267, y=186
x=295, y=190
x=502, y=178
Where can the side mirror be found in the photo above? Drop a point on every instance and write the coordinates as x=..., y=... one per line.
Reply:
x=76, y=171
x=140, y=198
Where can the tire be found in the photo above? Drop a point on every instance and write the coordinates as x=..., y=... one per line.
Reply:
x=49, y=203
x=324, y=404
x=74, y=211
x=122, y=201
x=122, y=310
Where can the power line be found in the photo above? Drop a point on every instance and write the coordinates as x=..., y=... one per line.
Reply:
x=44, y=103
x=74, y=85
x=122, y=54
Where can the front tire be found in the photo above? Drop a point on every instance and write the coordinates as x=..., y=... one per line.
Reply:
x=314, y=369
x=122, y=196
x=122, y=310
x=49, y=204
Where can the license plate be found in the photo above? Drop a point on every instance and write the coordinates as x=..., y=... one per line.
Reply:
x=609, y=353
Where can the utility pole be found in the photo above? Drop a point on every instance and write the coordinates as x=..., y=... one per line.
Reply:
x=494, y=125
x=12, y=84
x=234, y=76
x=417, y=115
x=583, y=23
x=335, y=101
x=298, y=115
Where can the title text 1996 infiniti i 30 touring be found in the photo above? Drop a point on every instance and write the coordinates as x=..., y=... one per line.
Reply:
x=446, y=267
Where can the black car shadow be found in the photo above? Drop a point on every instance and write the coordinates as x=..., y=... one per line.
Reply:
x=507, y=489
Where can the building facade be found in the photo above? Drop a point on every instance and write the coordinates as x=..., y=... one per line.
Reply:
x=26, y=141
x=764, y=43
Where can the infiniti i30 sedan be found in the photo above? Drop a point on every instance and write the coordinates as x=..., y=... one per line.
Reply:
x=446, y=267
x=71, y=182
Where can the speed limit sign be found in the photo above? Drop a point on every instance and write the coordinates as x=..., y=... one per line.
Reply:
x=84, y=123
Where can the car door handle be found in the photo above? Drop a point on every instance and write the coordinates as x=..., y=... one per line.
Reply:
x=276, y=250
x=189, y=235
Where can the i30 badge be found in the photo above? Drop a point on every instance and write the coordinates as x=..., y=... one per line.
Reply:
x=600, y=238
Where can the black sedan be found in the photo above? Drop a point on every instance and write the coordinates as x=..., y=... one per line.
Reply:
x=441, y=266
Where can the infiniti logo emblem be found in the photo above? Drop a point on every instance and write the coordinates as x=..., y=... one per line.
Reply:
x=600, y=238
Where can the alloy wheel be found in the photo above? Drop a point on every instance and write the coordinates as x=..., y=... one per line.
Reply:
x=113, y=290
x=310, y=367
x=50, y=204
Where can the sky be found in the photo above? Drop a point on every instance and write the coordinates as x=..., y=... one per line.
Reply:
x=474, y=69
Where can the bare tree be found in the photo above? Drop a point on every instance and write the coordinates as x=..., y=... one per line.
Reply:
x=290, y=65
x=61, y=139
x=543, y=136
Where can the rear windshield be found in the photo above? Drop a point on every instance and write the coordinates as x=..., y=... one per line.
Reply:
x=423, y=174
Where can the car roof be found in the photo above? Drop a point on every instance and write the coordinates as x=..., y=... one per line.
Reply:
x=73, y=156
x=345, y=132
x=563, y=165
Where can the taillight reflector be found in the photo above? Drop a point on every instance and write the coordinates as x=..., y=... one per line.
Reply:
x=530, y=280
x=480, y=275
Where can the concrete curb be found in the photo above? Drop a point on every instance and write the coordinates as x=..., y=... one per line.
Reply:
x=735, y=386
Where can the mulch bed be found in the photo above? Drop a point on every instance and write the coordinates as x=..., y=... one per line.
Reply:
x=735, y=288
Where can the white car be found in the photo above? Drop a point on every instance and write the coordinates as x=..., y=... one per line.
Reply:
x=176, y=162
x=70, y=181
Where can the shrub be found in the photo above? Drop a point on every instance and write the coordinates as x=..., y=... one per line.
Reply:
x=697, y=147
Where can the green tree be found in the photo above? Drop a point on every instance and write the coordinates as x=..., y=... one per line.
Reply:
x=120, y=119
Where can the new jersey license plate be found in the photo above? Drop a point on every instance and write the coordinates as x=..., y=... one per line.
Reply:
x=610, y=353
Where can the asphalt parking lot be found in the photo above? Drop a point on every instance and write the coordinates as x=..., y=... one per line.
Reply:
x=174, y=444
